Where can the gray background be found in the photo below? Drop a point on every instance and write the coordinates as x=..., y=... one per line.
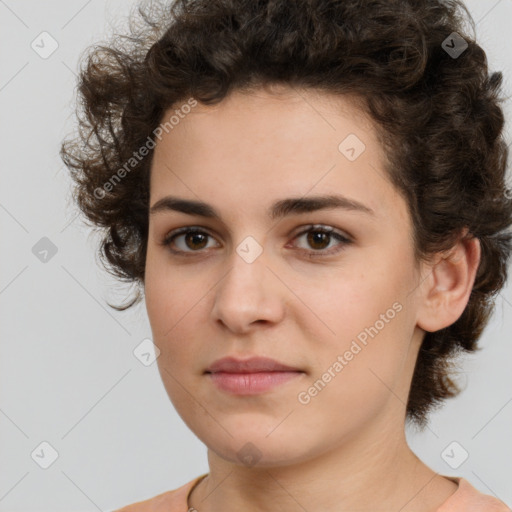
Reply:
x=68, y=375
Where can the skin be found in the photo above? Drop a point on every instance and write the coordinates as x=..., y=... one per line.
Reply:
x=345, y=449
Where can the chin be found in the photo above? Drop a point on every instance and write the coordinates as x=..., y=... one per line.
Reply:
x=252, y=446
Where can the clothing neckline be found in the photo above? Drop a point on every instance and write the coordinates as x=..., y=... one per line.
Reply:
x=194, y=483
x=457, y=480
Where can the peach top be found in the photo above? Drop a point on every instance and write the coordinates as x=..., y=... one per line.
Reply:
x=465, y=499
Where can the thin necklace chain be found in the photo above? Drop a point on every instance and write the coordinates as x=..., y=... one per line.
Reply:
x=197, y=484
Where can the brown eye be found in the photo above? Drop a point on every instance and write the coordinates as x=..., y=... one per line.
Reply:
x=319, y=238
x=195, y=240
x=189, y=240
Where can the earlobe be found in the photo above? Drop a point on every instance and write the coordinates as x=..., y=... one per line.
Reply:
x=445, y=293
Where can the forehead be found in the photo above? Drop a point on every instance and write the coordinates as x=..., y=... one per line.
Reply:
x=258, y=146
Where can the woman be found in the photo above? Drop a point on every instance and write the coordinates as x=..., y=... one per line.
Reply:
x=312, y=196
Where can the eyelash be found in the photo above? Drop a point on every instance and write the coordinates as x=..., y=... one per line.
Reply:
x=169, y=238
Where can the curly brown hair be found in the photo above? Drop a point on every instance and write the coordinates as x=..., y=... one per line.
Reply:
x=435, y=105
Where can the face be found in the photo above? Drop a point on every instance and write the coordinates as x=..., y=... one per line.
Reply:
x=327, y=291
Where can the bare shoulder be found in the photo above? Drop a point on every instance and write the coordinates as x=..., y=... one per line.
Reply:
x=501, y=507
x=495, y=505
x=468, y=499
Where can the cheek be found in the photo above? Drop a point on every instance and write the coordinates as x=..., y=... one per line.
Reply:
x=370, y=321
x=176, y=307
x=166, y=293
x=356, y=298
x=359, y=373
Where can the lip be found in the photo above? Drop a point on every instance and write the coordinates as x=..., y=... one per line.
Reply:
x=251, y=365
x=250, y=376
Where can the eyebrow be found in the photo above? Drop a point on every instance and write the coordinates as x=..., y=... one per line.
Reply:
x=279, y=209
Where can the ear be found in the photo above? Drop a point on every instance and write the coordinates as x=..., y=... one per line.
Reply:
x=445, y=291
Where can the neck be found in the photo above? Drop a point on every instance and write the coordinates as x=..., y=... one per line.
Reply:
x=356, y=475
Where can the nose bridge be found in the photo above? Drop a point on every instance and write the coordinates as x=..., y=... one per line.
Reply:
x=246, y=294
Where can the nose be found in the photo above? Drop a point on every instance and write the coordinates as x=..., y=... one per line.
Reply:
x=248, y=294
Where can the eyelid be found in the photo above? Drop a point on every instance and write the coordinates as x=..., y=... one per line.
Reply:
x=342, y=236
x=321, y=227
x=169, y=237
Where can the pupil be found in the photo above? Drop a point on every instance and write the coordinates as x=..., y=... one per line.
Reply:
x=318, y=238
x=194, y=236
